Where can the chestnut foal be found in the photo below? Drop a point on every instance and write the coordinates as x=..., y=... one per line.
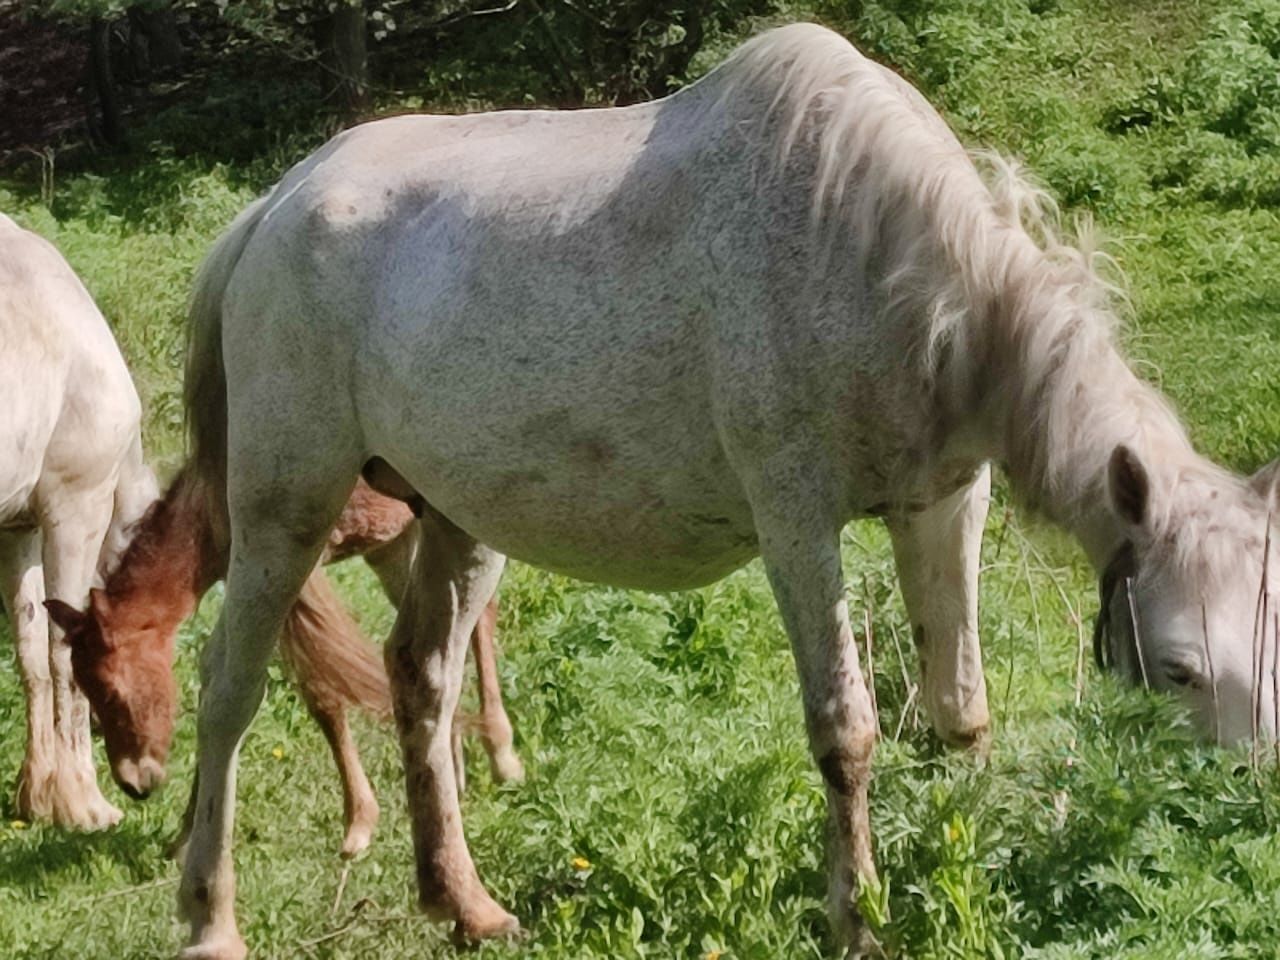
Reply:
x=122, y=646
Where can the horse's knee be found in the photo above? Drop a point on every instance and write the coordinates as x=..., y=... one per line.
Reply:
x=844, y=742
x=846, y=766
x=954, y=687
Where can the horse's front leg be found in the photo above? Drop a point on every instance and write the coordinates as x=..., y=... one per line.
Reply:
x=937, y=551
x=22, y=589
x=453, y=578
x=274, y=547
x=74, y=526
x=802, y=558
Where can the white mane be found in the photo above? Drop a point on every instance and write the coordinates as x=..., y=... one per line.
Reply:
x=1004, y=292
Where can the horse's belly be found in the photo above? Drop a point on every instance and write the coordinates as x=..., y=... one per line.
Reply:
x=650, y=552
x=24, y=434
x=630, y=526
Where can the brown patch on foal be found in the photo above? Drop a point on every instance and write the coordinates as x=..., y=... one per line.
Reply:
x=122, y=646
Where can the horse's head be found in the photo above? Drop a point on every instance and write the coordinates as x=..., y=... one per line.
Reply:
x=1189, y=601
x=122, y=662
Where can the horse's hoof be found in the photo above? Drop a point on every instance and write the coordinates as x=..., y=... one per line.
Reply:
x=870, y=950
x=103, y=815
x=506, y=767
x=90, y=814
x=492, y=923
x=225, y=946
x=359, y=837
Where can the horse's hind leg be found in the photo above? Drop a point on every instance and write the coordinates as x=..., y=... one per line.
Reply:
x=495, y=726
x=392, y=564
x=22, y=587
x=276, y=537
x=937, y=551
x=453, y=579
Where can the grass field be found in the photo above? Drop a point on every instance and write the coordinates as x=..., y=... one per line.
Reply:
x=671, y=808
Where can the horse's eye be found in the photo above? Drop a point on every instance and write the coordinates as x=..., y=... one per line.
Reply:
x=1181, y=676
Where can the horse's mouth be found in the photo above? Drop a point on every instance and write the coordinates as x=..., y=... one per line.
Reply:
x=138, y=778
x=134, y=793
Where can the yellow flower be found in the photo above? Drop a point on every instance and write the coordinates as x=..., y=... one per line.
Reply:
x=18, y=824
x=278, y=753
x=712, y=955
x=580, y=863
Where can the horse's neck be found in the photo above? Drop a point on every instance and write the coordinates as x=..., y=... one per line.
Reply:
x=171, y=561
x=135, y=492
x=1064, y=410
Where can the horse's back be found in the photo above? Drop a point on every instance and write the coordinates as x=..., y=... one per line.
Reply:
x=556, y=323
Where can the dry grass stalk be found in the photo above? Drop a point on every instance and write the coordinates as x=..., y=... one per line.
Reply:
x=342, y=886
x=871, y=665
x=1137, y=633
x=1259, y=649
x=1275, y=684
x=906, y=709
x=908, y=684
x=1061, y=800
x=1213, y=676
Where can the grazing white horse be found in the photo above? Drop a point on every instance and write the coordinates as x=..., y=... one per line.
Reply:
x=645, y=345
x=71, y=479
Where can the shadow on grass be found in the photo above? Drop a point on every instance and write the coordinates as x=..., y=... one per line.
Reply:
x=33, y=860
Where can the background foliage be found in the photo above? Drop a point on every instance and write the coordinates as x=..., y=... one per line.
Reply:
x=671, y=807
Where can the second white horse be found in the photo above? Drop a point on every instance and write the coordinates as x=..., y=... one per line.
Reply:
x=72, y=479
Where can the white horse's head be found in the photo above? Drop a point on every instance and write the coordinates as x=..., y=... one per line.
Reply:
x=1190, y=602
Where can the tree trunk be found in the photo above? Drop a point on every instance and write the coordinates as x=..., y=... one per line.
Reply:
x=347, y=55
x=160, y=27
x=107, y=124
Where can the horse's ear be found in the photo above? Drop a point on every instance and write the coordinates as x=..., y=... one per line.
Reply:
x=1266, y=482
x=1129, y=487
x=65, y=616
x=99, y=604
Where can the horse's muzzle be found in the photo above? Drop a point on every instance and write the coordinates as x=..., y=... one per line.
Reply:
x=139, y=778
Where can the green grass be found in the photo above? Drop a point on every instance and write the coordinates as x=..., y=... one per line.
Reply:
x=662, y=734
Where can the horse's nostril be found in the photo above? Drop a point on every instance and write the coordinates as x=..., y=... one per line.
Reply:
x=139, y=778
x=153, y=774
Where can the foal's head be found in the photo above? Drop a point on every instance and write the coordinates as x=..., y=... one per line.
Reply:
x=122, y=660
x=1189, y=601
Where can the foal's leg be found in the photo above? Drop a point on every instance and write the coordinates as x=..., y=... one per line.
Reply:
x=73, y=529
x=495, y=726
x=453, y=579
x=801, y=554
x=359, y=805
x=22, y=587
x=276, y=538
x=392, y=564
x=938, y=557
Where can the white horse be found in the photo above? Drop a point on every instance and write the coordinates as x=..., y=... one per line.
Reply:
x=644, y=345
x=72, y=479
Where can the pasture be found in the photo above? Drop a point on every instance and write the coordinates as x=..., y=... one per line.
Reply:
x=671, y=807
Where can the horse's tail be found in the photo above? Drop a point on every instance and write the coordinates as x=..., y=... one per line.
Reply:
x=332, y=662
x=205, y=387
